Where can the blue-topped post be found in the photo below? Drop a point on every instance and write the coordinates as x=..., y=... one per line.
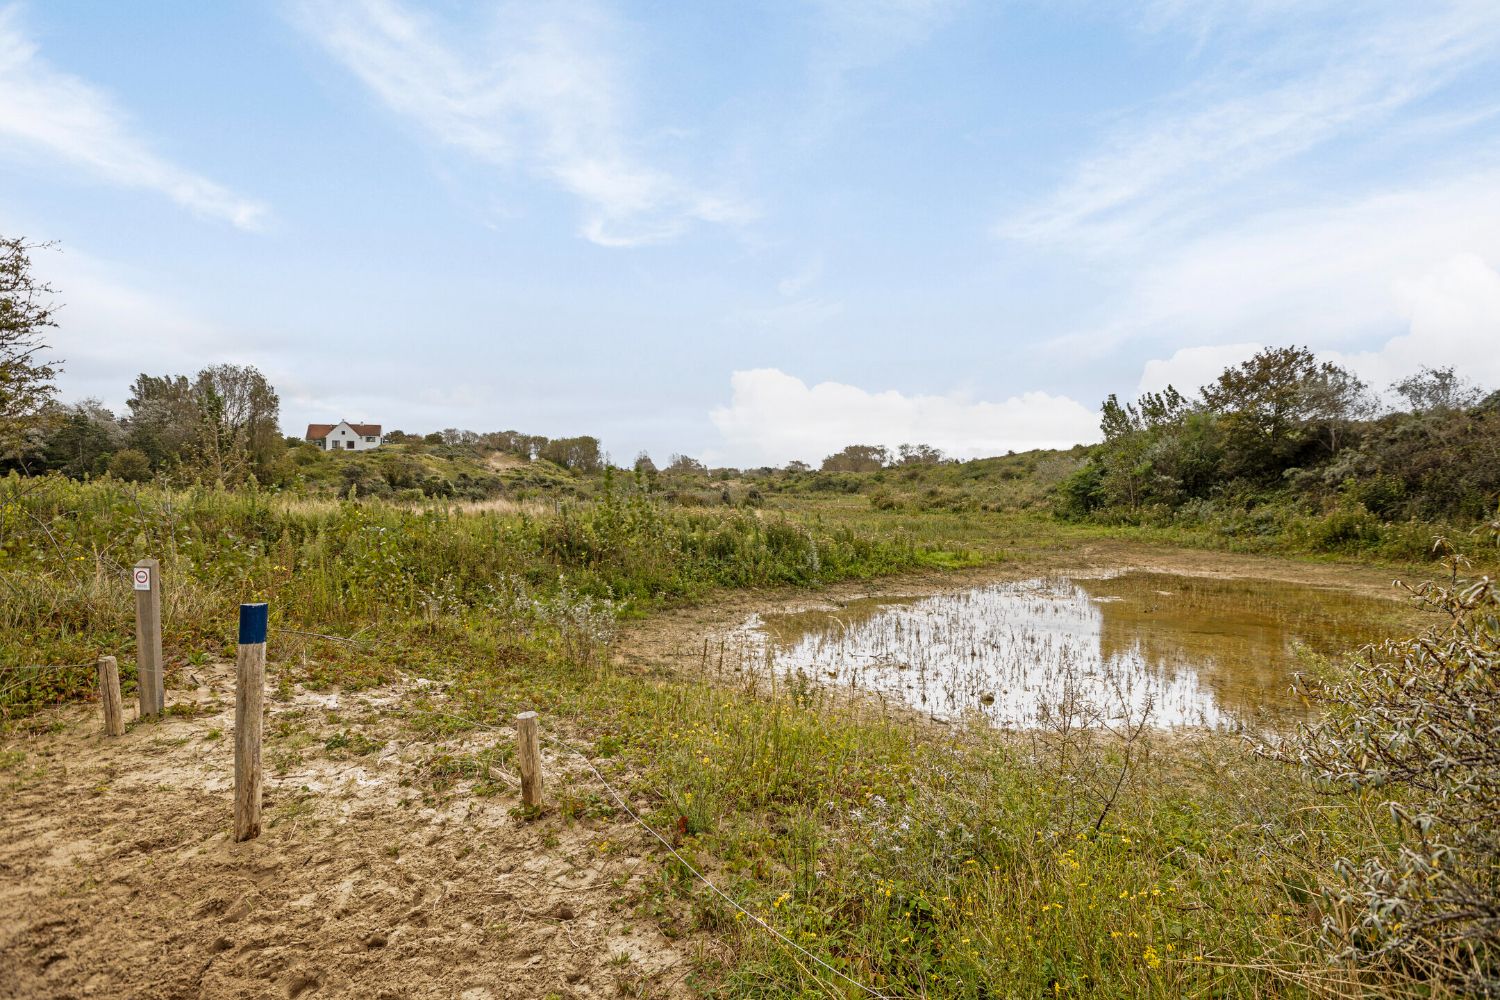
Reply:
x=249, y=699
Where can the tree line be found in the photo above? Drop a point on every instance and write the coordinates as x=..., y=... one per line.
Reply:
x=1284, y=423
x=219, y=426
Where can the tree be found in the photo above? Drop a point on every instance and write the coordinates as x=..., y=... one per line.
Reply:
x=918, y=454
x=164, y=419
x=239, y=431
x=130, y=465
x=1437, y=389
x=580, y=454
x=527, y=446
x=682, y=465
x=644, y=465
x=797, y=465
x=26, y=310
x=1277, y=403
x=454, y=436
x=858, y=458
x=81, y=438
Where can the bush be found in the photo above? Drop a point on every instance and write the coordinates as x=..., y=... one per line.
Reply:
x=130, y=465
x=1418, y=721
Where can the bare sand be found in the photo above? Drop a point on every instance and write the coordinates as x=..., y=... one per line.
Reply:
x=118, y=876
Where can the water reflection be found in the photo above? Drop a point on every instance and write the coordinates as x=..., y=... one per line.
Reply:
x=1186, y=651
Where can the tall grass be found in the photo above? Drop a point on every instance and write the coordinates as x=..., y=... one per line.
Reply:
x=65, y=547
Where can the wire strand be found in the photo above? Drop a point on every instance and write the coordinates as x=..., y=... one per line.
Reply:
x=557, y=742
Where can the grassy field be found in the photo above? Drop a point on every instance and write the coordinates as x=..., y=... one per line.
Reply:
x=918, y=860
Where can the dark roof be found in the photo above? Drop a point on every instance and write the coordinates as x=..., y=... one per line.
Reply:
x=317, y=432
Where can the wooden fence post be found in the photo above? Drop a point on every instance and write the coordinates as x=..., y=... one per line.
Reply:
x=146, y=577
x=529, y=759
x=109, y=696
x=249, y=696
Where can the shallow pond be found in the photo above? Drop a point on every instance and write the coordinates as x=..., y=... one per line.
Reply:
x=1172, y=650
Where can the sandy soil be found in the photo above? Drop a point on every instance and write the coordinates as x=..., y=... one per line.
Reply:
x=118, y=877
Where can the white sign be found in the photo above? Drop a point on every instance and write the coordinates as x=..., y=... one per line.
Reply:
x=142, y=578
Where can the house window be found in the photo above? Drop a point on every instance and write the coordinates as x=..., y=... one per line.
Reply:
x=370, y=438
x=349, y=445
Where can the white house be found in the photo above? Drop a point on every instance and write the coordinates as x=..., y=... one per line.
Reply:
x=344, y=436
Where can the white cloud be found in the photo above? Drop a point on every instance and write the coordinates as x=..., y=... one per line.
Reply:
x=1191, y=368
x=1171, y=165
x=1454, y=312
x=1329, y=276
x=64, y=118
x=543, y=90
x=773, y=417
x=112, y=326
x=1453, y=319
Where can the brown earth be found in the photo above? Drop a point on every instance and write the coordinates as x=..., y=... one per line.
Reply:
x=118, y=877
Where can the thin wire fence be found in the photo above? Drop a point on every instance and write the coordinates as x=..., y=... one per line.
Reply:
x=27, y=673
x=560, y=744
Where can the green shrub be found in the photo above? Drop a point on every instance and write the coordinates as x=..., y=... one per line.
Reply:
x=1417, y=721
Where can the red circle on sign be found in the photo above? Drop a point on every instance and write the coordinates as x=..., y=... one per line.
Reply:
x=142, y=576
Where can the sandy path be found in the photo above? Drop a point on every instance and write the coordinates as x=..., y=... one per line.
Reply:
x=118, y=877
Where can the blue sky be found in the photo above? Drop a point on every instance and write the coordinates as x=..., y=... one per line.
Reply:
x=754, y=232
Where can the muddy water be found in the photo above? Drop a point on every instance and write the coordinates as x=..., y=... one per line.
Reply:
x=1174, y=650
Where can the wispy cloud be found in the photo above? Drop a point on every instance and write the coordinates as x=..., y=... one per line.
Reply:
x=853, y=36
x=1169, y=166
x=1330, y=275
x=866, y=32
x=542, y=88
x=62, y=117
x=773, y=416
